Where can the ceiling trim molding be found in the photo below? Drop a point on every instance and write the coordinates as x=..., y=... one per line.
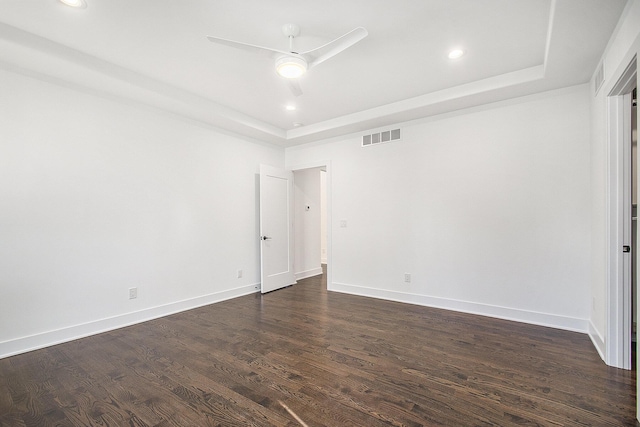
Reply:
x=31, y=52
x=33, y=55
x=430, y=99
x=547, y=47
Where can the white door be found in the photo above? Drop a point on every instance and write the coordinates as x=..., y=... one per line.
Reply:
x=276, y=228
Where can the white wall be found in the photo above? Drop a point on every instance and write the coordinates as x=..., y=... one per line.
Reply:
x=623, y=46
x=488, y=209
x=98, y=196
x=307, y=230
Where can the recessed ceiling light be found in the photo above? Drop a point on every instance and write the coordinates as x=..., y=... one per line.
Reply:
x=456, y=53
x=297, y=124
x=80, y=4
x=290, y=107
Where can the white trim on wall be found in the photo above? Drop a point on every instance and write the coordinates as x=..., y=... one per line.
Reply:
x=59, y=336
x=309, y=273
x=597, y=339
x=506, y=313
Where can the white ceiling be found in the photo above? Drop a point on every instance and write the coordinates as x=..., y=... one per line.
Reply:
x=156, y=52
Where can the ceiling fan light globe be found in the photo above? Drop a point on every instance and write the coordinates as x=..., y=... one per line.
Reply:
x=291, y=67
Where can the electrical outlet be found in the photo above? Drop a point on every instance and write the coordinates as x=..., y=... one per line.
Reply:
x=407, y=277
x=133, y=293
x=239, y=274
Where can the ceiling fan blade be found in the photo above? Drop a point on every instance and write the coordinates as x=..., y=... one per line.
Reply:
x=294, y=86
x=246, y=46
x=322, y=53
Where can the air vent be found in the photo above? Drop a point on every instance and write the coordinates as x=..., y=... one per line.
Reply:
x=380, y=137
x=599, y=78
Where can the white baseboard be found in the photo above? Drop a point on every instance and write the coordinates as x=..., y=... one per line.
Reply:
x=309, y=273
x=597, y=340
x=524, y=316
x=45, y=339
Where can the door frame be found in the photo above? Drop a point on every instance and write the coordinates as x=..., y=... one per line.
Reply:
x=327, y=165
x=618, y=338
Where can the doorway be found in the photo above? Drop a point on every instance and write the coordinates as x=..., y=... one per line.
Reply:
x=312, y=243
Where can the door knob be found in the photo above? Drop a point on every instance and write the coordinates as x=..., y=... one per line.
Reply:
x=265, y=238
x=626, y=249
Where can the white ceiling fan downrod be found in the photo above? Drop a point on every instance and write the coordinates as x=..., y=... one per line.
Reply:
x=293, y=66
x=291, y=31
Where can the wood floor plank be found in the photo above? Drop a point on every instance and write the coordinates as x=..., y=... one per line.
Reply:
x=328, y=359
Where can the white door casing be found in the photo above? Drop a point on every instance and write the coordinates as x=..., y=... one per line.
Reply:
x=618, y=336
x=276, y=228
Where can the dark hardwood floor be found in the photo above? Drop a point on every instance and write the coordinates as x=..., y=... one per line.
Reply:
x=302, y=356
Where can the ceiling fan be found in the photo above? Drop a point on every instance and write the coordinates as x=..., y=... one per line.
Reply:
x=291, y=64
